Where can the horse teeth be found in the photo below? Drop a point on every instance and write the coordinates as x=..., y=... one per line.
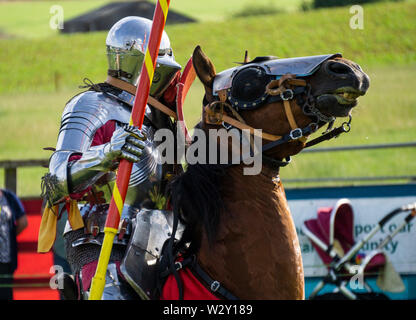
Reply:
x=348, y=95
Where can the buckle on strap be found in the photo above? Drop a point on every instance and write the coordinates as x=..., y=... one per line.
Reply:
x=215, y=285
x=287, y=94
x=227, y=126
x=296, y=134
x=178, y=265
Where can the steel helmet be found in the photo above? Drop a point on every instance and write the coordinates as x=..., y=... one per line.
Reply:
x=126, y=46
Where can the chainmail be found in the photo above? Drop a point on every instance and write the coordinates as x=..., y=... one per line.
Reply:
x=81, y=255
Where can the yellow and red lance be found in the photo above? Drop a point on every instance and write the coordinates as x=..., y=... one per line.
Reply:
x=124, y=170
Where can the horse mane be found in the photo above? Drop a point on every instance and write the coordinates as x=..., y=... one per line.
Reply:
x=196, y=198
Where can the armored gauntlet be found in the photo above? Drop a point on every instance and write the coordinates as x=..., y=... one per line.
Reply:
x=127, y=143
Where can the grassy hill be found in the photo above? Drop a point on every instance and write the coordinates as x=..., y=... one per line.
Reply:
x=38, y=76
x=31, y=19
x=388, y=37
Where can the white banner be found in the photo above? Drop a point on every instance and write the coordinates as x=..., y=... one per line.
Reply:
x=367, y=213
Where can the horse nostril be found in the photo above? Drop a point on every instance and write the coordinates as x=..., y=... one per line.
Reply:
x=338, y=68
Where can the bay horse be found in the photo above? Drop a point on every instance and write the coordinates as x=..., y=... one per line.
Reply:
x=239, y=227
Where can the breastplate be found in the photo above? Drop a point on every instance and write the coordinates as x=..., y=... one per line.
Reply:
x=145, y=186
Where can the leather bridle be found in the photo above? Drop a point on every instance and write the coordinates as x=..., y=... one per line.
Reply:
x=288, y=89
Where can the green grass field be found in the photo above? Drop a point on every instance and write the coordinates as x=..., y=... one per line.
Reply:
x=46, y=72
x=31, y=20
x=388, y=38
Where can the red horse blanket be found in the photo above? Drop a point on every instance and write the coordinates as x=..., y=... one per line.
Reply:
x=193, y=289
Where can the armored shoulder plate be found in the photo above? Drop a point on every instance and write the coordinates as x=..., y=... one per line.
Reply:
x=301, y=67
x=82, y=117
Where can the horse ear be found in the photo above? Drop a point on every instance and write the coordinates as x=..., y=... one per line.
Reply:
x=204, y=68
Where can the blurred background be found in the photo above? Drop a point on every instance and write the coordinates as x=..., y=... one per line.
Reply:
x=42, y=67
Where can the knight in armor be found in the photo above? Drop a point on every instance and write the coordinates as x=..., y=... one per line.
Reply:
x=94, y=136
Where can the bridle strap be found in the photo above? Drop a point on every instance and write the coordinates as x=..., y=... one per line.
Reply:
x=344, y=127
x=281, y=87
x=277, y=87
x=128, y=87
x=289, y=114
x=218, y=118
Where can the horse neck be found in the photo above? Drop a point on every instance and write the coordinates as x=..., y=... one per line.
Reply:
x=261, y=187
x=259, y=196
x=256, y=239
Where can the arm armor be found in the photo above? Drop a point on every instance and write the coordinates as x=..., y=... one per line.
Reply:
x=81, y=118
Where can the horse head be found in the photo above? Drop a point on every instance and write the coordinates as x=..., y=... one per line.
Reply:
x=282, y=96
x=239, y=226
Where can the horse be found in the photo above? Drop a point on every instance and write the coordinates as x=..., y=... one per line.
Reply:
x=239, y=227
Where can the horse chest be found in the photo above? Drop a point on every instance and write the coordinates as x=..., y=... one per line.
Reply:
x=257, y=254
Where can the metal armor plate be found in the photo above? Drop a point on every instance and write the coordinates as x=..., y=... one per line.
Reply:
x=140, y=264
x=82, y=117
x=301, y=67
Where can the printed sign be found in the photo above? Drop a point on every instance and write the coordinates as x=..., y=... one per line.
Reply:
x=368, y=210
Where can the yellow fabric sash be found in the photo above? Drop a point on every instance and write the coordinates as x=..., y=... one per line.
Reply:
x=47, y=229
